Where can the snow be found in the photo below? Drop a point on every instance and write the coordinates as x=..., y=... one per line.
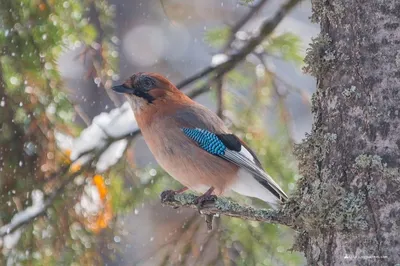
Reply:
x=10, y=240
x=242, y=35
x=90, y=203
x=64, y=142
x=218, y=59
x=117, y=123
x=111, y=156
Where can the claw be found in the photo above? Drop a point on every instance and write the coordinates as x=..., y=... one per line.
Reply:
x=202, y=200
x=205, y=198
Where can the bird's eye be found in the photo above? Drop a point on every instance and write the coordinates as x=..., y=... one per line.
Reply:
x=147, y=83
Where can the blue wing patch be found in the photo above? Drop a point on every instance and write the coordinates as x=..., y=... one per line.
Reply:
x=206, y=140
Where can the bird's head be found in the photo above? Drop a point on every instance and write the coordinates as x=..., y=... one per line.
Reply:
x=144, y=89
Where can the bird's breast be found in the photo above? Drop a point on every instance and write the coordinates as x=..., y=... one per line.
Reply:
x=186, y=162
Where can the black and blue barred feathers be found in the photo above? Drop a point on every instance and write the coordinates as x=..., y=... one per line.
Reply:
x=206, y=140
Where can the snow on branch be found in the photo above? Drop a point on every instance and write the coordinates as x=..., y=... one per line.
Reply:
x=101, y=143
x=11, y=232
x=108, y=131
x=11, y=236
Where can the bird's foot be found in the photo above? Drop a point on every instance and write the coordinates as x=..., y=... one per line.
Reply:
x=204, y=199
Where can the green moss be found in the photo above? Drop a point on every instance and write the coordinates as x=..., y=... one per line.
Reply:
x=225, y=205
x=321, y=9
x=318, y=8
x=339, y=8
x=330, y=137
x=349, y=91
x=376, y=161
x=350, y=214
x=363, y=161
x=319, y=56
x=314, y=100
x=367, y=161
x=186, y=199
x=392, y=173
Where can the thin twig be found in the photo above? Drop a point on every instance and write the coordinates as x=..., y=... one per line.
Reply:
x=78, y=109
x=210, y=236
x=195, y=77
x=220, y=97
x=198, y=91
x=209, y=221
x=282, y=108
x=222, y=206
x=242, y=22
x=173, y=242
x=266, y=28
x=97, y=58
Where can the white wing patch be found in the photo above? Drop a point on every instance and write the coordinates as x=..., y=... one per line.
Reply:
x=247, y=154
x=242, y=161
x=248, y=186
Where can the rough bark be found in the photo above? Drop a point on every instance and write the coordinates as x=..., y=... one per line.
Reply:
x=348, y=201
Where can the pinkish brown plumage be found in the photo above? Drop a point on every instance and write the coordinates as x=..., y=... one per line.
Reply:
x=209, y=156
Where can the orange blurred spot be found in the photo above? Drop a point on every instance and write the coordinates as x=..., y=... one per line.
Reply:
x=42, y=7
x=75, y=167
x=67, y=152
x=66, y=158
x=102, y=220
x=98, y=180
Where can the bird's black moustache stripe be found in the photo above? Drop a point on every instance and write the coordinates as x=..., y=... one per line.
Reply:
x=139, y=92
x=143, y=95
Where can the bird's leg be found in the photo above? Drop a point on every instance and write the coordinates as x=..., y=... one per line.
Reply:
x=205, y=197
x=179, y=191
x=167, y=194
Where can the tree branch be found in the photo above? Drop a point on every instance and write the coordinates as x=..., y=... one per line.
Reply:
x=219, y=83
x=97, y=56
x=31, y=215
x=266, y=28
x=243, y=21
x=196, y=76
x=222, y=206
x=70, y=176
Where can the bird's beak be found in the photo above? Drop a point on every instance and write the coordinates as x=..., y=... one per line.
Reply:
x=122, y=89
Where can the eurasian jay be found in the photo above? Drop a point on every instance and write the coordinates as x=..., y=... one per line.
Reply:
x=192, y=143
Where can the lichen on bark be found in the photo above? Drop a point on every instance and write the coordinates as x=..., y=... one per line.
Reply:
x=347, y=200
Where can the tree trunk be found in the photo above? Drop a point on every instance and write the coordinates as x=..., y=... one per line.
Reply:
x=348, y=200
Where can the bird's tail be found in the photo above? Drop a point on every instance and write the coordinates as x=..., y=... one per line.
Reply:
x=272, y=187
x=248, y=184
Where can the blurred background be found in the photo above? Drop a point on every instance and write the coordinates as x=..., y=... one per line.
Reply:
x=78, y=184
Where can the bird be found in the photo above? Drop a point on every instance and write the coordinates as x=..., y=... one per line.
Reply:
x=193, y=145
